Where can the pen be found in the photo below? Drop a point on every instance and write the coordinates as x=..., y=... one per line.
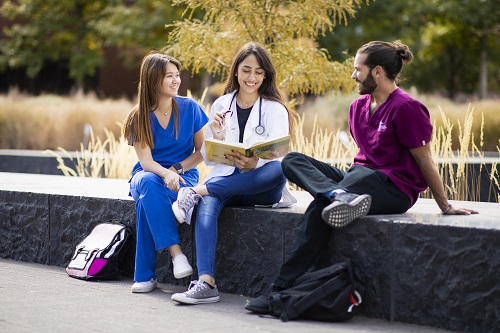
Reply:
x=222, y=117
x=222, y=122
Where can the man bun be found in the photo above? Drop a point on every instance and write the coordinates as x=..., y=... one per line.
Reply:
x=404, y=52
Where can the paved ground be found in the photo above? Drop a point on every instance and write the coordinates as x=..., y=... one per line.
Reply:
x=39, y=298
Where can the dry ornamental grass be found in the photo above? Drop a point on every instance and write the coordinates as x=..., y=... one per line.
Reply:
x=57, y=124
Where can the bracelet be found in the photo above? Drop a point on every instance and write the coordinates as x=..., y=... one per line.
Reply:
x=447, y=209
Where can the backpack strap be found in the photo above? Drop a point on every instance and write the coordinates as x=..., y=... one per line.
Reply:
x=354, y=301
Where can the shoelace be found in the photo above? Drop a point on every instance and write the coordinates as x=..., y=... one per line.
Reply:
x=189, y=200
x=194, y=286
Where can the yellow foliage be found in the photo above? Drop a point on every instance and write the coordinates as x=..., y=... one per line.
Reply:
x=287, y=29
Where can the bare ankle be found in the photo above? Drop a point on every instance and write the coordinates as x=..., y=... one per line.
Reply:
x=208, y=279
x=201, y=190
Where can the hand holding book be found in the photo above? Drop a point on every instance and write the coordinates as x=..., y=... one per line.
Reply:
x=269, y=150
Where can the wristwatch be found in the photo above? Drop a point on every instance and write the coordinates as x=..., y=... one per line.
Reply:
x=178, y=167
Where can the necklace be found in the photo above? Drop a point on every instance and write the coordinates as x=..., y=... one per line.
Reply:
x=164, y=113
x=247, y=104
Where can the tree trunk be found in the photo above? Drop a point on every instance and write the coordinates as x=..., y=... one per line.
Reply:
x=452, y=73
x=483, y=71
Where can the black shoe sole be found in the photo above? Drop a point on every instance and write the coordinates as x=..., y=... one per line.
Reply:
x=256, y=309
x=259, y=305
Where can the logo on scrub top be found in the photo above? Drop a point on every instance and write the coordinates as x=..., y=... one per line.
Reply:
x=381, y=126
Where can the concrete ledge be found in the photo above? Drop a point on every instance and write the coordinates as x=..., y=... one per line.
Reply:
x=419, y=267
x=478, y=170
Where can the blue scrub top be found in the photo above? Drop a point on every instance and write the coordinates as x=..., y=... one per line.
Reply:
x=169, y=150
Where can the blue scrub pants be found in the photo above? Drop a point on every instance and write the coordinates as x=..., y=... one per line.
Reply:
x=156, y=223
x=262, y=186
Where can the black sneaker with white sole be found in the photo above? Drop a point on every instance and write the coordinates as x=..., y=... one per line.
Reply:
x=345, y=208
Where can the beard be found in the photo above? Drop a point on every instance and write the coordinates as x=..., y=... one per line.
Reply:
x=367, y=86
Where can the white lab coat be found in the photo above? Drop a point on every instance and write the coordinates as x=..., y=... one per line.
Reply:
x=274, y=120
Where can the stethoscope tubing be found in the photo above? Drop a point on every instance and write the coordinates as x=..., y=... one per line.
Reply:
x=259, y=129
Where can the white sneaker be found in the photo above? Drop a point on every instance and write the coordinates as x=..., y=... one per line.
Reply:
x=182, y=268
x=186, y=199
x=199, y=292
x=144, y=287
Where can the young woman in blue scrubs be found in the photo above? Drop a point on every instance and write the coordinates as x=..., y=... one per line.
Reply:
x=167, y=133
x=251, y=111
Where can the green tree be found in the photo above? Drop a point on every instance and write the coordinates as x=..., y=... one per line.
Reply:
x=51, y=30
x=138, y=26
x=287, y=29
x=377, y=20
x=456, y=43
x=469, y=28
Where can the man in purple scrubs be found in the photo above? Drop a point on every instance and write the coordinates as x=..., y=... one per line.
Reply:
x=394, y=163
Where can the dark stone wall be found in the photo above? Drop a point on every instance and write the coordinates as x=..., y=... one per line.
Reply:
x=252, y=245
x=24, y=226
x=72, y=218
x=433, y=275
x=421, y=273
x=45, y=229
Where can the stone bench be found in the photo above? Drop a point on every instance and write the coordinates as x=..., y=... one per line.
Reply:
x=420, y=267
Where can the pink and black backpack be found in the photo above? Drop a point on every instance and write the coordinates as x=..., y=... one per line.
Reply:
x=101, y=254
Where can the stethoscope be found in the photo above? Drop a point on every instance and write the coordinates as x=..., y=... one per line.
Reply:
x=259, y=129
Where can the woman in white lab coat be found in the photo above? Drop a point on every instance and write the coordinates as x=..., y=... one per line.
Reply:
x=250, y=111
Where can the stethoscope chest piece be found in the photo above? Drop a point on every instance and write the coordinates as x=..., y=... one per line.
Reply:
x=259, y=130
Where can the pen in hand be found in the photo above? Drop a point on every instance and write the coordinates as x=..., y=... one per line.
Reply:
x=222, y=118
x=222, y=121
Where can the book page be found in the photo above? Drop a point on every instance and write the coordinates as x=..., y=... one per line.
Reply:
x=215, y=150
x=270, y=150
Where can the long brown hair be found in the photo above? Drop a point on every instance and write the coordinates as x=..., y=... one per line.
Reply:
x=268, y=89
x=137, y=127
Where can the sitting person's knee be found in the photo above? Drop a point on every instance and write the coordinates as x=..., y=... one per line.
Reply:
x=290, y=159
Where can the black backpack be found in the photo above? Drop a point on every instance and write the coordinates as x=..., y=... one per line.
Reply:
x=327, y=294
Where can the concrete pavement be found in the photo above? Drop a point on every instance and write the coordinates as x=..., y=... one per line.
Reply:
x=39, y=298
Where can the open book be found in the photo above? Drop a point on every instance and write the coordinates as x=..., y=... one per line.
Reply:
x=269, y=150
